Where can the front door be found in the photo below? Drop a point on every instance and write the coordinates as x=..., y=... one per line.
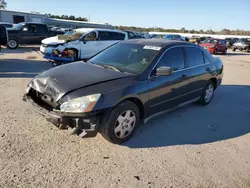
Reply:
x=28, y=34
x=169, y=91
x=89, y=45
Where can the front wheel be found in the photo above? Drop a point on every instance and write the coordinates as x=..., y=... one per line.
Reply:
x=119, y=125
x=12, y=44
x=208, y=93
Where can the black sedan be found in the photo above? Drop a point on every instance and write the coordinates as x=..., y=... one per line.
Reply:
x=126, y=83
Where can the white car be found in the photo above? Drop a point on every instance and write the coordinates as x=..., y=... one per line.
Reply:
x=51, y=43
x=90, y=43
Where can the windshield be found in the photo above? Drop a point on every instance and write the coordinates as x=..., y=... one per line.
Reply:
x=211, y=41
x=131, y=58
x=69, y=33
x=18, y=26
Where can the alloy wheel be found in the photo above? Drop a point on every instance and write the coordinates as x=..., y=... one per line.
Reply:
x=12, y=44
x=209, y=93
x=125, y=124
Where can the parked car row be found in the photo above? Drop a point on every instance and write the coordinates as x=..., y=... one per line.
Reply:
x=87, y=43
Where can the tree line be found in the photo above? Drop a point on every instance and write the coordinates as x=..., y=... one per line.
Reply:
x=65, y=17
x=183, y=30
x=3, y=5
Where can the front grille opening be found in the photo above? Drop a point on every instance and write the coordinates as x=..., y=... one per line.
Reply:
x=36, y=97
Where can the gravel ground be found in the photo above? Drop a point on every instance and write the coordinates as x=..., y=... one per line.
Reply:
x=193, y=146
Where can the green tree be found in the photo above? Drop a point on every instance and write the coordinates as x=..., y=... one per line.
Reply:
x=72, y=17
x=3, y=4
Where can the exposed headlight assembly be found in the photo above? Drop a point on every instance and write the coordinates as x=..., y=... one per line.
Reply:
x=81, y=104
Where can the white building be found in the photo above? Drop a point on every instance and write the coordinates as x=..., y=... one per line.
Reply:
x=17, y=17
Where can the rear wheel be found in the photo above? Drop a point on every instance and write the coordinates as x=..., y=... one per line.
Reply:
x=119, y=125
x=208, y=93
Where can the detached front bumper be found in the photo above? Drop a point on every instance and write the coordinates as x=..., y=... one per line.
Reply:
x=84, y=125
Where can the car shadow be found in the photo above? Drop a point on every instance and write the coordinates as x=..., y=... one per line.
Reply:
x=20, y=50
x=237, y=53
x=226, y=117
x=17, y=68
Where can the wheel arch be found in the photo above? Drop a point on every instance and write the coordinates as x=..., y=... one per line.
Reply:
x=137, y=102
x=214, y=80
x=76, y=50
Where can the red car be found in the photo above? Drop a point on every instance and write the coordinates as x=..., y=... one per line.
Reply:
x=214, y=46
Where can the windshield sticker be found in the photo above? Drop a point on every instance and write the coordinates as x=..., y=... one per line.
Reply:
x=152, y=48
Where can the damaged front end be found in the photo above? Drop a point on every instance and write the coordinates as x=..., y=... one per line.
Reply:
x=44, y=100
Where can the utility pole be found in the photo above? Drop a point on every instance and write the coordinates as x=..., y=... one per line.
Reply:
x=89, y=17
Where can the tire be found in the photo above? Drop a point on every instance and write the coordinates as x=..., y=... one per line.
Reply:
x=215, y=51
x=118, y=132
x=234, y=49
x=12, y=44
x=248, y=49
x=208, y=93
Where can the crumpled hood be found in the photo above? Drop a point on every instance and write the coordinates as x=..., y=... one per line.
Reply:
x=53, y=41
x=58, y=81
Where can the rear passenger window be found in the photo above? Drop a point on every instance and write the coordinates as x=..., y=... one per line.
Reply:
x=41, y=29
x=222, y=42
x=173, y=58
x=117, y=36
x=104, y=35
x=194, y=56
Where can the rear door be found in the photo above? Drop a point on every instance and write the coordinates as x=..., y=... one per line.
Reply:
x=108, y=38
x=198, y=69
x=169, y=91
x=41, y=33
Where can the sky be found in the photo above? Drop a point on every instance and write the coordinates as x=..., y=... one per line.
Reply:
x=190, y=14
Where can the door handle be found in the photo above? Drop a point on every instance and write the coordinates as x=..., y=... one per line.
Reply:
x=208, y=69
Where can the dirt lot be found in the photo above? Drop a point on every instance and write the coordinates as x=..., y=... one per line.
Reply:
x=191, y=147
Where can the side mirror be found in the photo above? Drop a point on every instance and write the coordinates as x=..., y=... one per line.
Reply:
x=164, y=71
x=25, y=29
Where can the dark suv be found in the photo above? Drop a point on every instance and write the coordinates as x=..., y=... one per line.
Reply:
x=28, y=33
x=242, y=44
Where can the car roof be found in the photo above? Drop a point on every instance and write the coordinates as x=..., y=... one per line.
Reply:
x=86, y=30
x=158, y=42
x=6, y=23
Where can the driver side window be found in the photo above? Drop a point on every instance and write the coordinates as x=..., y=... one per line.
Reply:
x=90, y=37
x=173, y=58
